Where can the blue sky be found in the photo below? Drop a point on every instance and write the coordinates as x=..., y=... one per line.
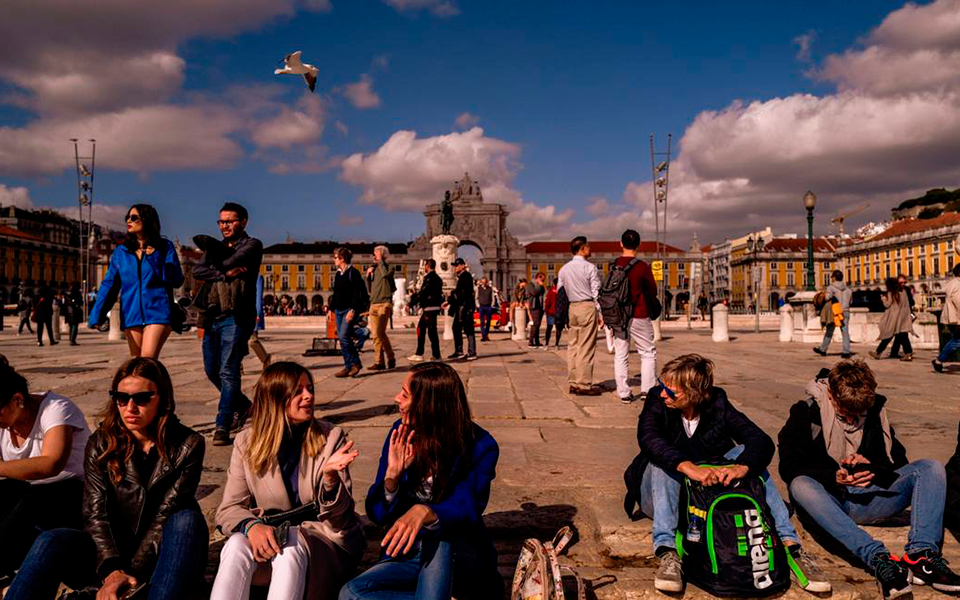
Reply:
x=566, y=95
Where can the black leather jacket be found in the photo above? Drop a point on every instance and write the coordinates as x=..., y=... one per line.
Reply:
x=126, y=519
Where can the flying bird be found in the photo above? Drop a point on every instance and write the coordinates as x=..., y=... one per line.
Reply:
x=293, y=66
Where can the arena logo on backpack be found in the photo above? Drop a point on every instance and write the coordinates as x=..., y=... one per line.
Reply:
x=727, y=541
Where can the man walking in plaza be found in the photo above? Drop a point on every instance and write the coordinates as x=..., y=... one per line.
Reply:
x=535, y=293
x=461, y=304
x=349, y=300
x=838, y=290
x=639, y=329
x=429, y=299
x=485, y=307
x=225, y=337
x=24, y=306
x=382, y=288
x=951, y=318
x=582, y=283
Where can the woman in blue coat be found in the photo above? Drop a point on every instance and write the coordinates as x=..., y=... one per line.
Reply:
x=144, y=269
x=432, y=487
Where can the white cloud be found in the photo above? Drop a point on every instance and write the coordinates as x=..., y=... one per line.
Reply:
x=598, y=206
x=466, y=121
x=292, y=126
x=408, y=172
x=341, y=127
x=361, y=94
x=439, y=8
x=346, y=220
x=804, y=45
x=15, y=196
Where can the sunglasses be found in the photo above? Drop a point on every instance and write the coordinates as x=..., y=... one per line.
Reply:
x=227, y=222
x=133, y=218
x=670, y=393
x=141, y=399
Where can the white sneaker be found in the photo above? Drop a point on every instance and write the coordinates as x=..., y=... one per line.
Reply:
x=415, y=358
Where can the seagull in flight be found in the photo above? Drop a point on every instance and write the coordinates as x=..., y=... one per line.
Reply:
x=293, y=66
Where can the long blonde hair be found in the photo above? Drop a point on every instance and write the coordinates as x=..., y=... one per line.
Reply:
x=278, y=383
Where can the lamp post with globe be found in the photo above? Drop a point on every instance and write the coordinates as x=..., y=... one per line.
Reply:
x=754, y=247
x=809, y=202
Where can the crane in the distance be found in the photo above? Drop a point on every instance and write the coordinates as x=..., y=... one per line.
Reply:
x=841, y=217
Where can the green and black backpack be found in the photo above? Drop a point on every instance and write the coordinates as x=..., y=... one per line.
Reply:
x=727, y=540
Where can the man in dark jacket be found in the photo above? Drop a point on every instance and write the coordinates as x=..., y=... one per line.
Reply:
x=227, y=333
x=686, y=421
x=844, y=465
x=485, y=308
x=429, y=299
x=462, y=305
x=349, y=300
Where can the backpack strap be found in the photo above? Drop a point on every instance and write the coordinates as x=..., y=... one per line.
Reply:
x=581, y=589
x=814, y=428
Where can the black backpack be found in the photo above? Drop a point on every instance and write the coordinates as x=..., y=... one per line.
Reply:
x=561, y=309
x=728, y=542
x=616, y=304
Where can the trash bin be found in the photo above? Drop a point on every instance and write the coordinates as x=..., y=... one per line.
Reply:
x=945, y=336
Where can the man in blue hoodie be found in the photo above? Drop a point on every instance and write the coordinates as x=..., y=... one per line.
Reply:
x=838, y=290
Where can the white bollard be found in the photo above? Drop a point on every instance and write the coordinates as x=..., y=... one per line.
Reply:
x=656, y=331
x=115, y=333
x=721, y=323
x=55, y=322
x=447, y=327
x=519, y=324
x=786, y=323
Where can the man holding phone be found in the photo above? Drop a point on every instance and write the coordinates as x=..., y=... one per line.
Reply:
x=844, y=467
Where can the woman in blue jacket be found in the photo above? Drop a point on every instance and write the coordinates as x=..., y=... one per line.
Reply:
x=144, y=269
x=432, y=487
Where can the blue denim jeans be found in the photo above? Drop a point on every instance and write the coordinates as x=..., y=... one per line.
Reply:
x=486, y=315
x=660, y=497
x=844, y=331
x=426, y=573
x=345, y=331
x=922, y=485
x=69, y=556
x=224, y=346
x=951, y=346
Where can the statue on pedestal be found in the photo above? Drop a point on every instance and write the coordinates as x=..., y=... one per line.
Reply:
x=446, y=214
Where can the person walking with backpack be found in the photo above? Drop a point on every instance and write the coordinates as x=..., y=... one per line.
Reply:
x=838, y=290
x=535, y=293
x=687, y=422
x=349, y=300
x=382, y=287
x=24, y=307
x=581, y=283
x=844, y=466
x=623, y=303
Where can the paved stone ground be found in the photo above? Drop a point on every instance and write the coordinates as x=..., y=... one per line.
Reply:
x=562, y=458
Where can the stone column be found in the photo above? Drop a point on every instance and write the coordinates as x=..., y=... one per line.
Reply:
x=721, y=323
x=786, y=323
x=445, y=252
x=519, y=324
x=115, y=333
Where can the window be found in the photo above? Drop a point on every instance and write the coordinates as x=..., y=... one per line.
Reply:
x=552, y=267
x=284, y=282
x=923, y=268
x=790, y=267
x=910, y=269
x=888, y=254
x=268, y=282
x=886, y=270
x=898, y=252
x=910, y=251
x=936, y=265
x=876, y=256
x=774, y=280
x=318, y=282
x=301, y=281
x=301, y=268
x=876, y=271
x=826, y=279
x=284, y=268
x=773, y=266
x=268, y=268
x=950, y=262
x=791, y=279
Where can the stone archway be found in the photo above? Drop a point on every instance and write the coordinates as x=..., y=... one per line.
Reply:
x=479, y=224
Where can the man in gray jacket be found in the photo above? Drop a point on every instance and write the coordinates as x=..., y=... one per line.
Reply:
x=838, y=290
x=382, y=287
x=951, y=318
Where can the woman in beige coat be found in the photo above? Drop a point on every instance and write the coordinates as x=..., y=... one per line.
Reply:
x=287, y=460
x=896, y=321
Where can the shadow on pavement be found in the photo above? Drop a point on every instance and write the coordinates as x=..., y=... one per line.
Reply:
x=362, y=414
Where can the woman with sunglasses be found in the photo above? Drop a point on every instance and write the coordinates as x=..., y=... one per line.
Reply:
x=145, y=270
x=292, y=463
x=42, y=437
x=687, y=421
x=432, y=487
x=144, y=528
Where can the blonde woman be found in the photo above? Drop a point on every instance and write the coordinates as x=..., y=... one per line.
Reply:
x=288, y=460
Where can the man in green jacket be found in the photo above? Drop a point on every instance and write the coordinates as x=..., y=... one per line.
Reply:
x=382, y=287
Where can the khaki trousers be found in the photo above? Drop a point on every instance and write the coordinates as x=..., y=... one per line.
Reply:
x=378, y=318
x=582, y=344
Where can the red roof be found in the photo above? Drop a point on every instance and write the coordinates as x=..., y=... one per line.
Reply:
x=4, y=230
x=604, y=247
x=913, y=225
x=706, y=248
x=798, y=245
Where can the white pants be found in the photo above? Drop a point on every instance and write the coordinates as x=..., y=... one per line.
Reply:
x=641, y=333
x=237, y=566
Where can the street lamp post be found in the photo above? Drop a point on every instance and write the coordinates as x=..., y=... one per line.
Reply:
x=754, y=247
x=810, y=201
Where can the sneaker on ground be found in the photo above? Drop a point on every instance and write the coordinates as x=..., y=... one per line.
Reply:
x=806, y=572
x=893, y=579
x=937, y=365
x=472, y=357
x=455, y=356
x=630, y=399
x=846, y=355
x=415, y=358
x=819, y=351
x=669, y=577
x=930, y=568
x=874, y=355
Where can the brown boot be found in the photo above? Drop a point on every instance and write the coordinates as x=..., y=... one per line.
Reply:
x=354, y=371
x=342, y=372
x=376, y=367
